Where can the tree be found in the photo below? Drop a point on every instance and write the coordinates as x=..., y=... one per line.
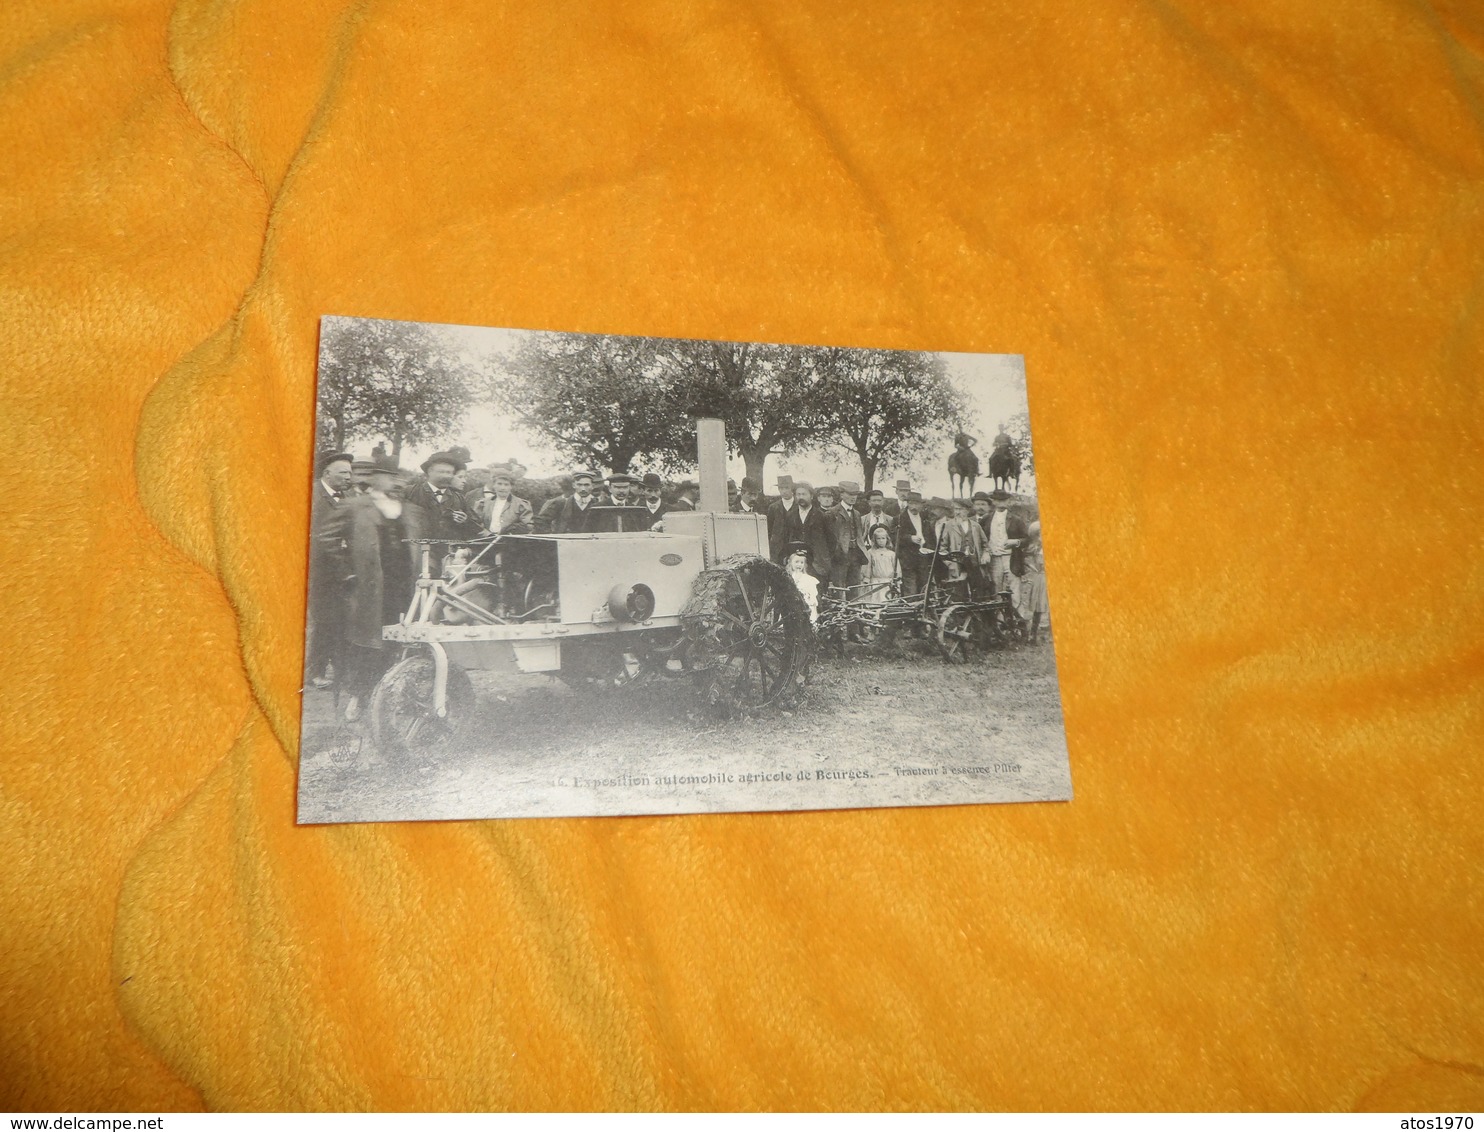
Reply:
x=601, y=399
x=883, y=406
x=406, y=382
x=763, y=393
x=339, y=395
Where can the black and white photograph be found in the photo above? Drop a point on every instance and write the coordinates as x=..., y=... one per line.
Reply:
x=556, y=574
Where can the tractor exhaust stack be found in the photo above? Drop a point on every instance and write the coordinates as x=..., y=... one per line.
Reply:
x=711, y=462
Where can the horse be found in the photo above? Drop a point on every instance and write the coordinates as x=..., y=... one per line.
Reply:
x=963, y=466
x=1004, y=466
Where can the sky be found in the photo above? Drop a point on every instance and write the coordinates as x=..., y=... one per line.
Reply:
x=993, y=384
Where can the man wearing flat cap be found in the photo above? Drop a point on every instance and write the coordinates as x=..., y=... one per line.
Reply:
x=500, y=510
x=577, y=516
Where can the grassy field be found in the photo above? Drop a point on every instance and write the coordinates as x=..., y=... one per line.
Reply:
x=896, y=728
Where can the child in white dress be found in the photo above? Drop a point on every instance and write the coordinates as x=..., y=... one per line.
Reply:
x=796, y=562
x=881, y=568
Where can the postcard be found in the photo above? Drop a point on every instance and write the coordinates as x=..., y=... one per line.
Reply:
x=556, y=574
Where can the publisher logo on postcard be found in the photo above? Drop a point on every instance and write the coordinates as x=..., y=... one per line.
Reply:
x=557, y=574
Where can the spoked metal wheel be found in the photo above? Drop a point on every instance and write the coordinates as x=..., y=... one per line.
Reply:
x=1004, y=625
x=960, y=633
x=403, y=717
x=750, y=639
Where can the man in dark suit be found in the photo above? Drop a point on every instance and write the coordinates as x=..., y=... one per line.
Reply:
x=850, y=496
x=621, y=490
x=446, y=514
x=577, y=515
x=852, y=507
x=547, y=515
x=779, y=513
x=653, y=500
x=373, y=526
x=840, y=524
x=750, y=498
x=807, y=523
x=895, y=507
x=329, y=569
x=915, y=543
x=686, y=496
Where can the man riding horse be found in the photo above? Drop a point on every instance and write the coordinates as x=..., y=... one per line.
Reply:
x=963, y=466
x=1004, y=462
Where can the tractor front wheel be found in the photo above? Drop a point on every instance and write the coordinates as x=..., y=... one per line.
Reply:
x=404, y=720
x=960, y=631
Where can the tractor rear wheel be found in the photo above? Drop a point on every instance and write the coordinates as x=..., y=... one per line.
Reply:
x=749, y=635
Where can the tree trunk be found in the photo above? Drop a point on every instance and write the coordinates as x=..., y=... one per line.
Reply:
x=339, y=445
x=397, y=448
x=868, y=474
x=755, y=462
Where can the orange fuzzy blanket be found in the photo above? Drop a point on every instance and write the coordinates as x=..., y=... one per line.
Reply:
x=1241, y=247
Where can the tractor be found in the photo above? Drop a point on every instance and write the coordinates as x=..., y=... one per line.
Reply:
x=698, y=603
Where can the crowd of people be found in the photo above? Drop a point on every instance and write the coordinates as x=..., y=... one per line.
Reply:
x=862, y=546
x=834, y=539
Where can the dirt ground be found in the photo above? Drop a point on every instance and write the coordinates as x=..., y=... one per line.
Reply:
x=895, y=729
